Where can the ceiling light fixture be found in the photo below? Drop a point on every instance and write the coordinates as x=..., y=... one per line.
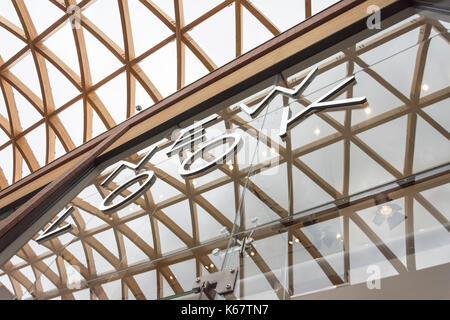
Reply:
x=390, y=212
x=386, y=210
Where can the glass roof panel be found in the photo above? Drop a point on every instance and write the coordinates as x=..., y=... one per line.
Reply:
x=436, y=69
x=63, y=89
x=318, y=6
x=9, y=12
x=61, y=42
x=114, y=94
x=107, y=18
x=25, y=70
x=394, y=151
x=216, y=36
x=147, y=29
x=433, y=242
x=393, y=232
x=254, y=33
x=196, y=8
x=167, y=7
x=363, y=254
x=14, y=44
x=161, y=73
x=28, y=113
x=36, y=140
x=365, y=172
x=4, y=138
x=43, y=13
x=284, y=15
x=6, y=161
x=69, y=118
x=431, y=148
x=99, y=56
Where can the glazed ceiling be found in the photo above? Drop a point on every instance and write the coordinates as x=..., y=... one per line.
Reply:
x=62, y=86
x=404, y=130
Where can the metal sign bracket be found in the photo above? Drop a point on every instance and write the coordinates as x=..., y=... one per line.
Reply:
x=222, y=282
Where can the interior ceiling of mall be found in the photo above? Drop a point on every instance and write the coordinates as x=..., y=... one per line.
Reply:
x=65, y=80
x=400, y=104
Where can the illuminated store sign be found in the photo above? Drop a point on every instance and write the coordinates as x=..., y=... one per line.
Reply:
x=195, y=136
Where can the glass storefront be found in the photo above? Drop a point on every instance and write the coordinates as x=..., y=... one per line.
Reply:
x=348, y=193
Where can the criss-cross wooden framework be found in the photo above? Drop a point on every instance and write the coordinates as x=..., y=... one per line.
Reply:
x=412, y=107
x=82, y=78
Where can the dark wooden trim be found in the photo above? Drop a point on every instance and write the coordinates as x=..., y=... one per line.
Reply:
x=17, y=203
x=19, y=221
x=53, y=165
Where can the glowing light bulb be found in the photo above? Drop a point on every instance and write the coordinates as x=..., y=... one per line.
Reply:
x=368, y=110
x=272, y=150
x=317, y=131
x=338, y=236
x=425, y=87
x=290, y=242
x=252, y=253
x=297, y=240
x=386, y=210
x=231, y=167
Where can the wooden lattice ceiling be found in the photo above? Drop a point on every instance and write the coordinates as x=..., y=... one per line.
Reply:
x=82, y=80
x=412, y=108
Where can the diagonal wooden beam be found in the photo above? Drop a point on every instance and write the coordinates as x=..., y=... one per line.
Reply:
x=384, y=249
x=238, y=27
x=129, y=55
x=181, y=56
